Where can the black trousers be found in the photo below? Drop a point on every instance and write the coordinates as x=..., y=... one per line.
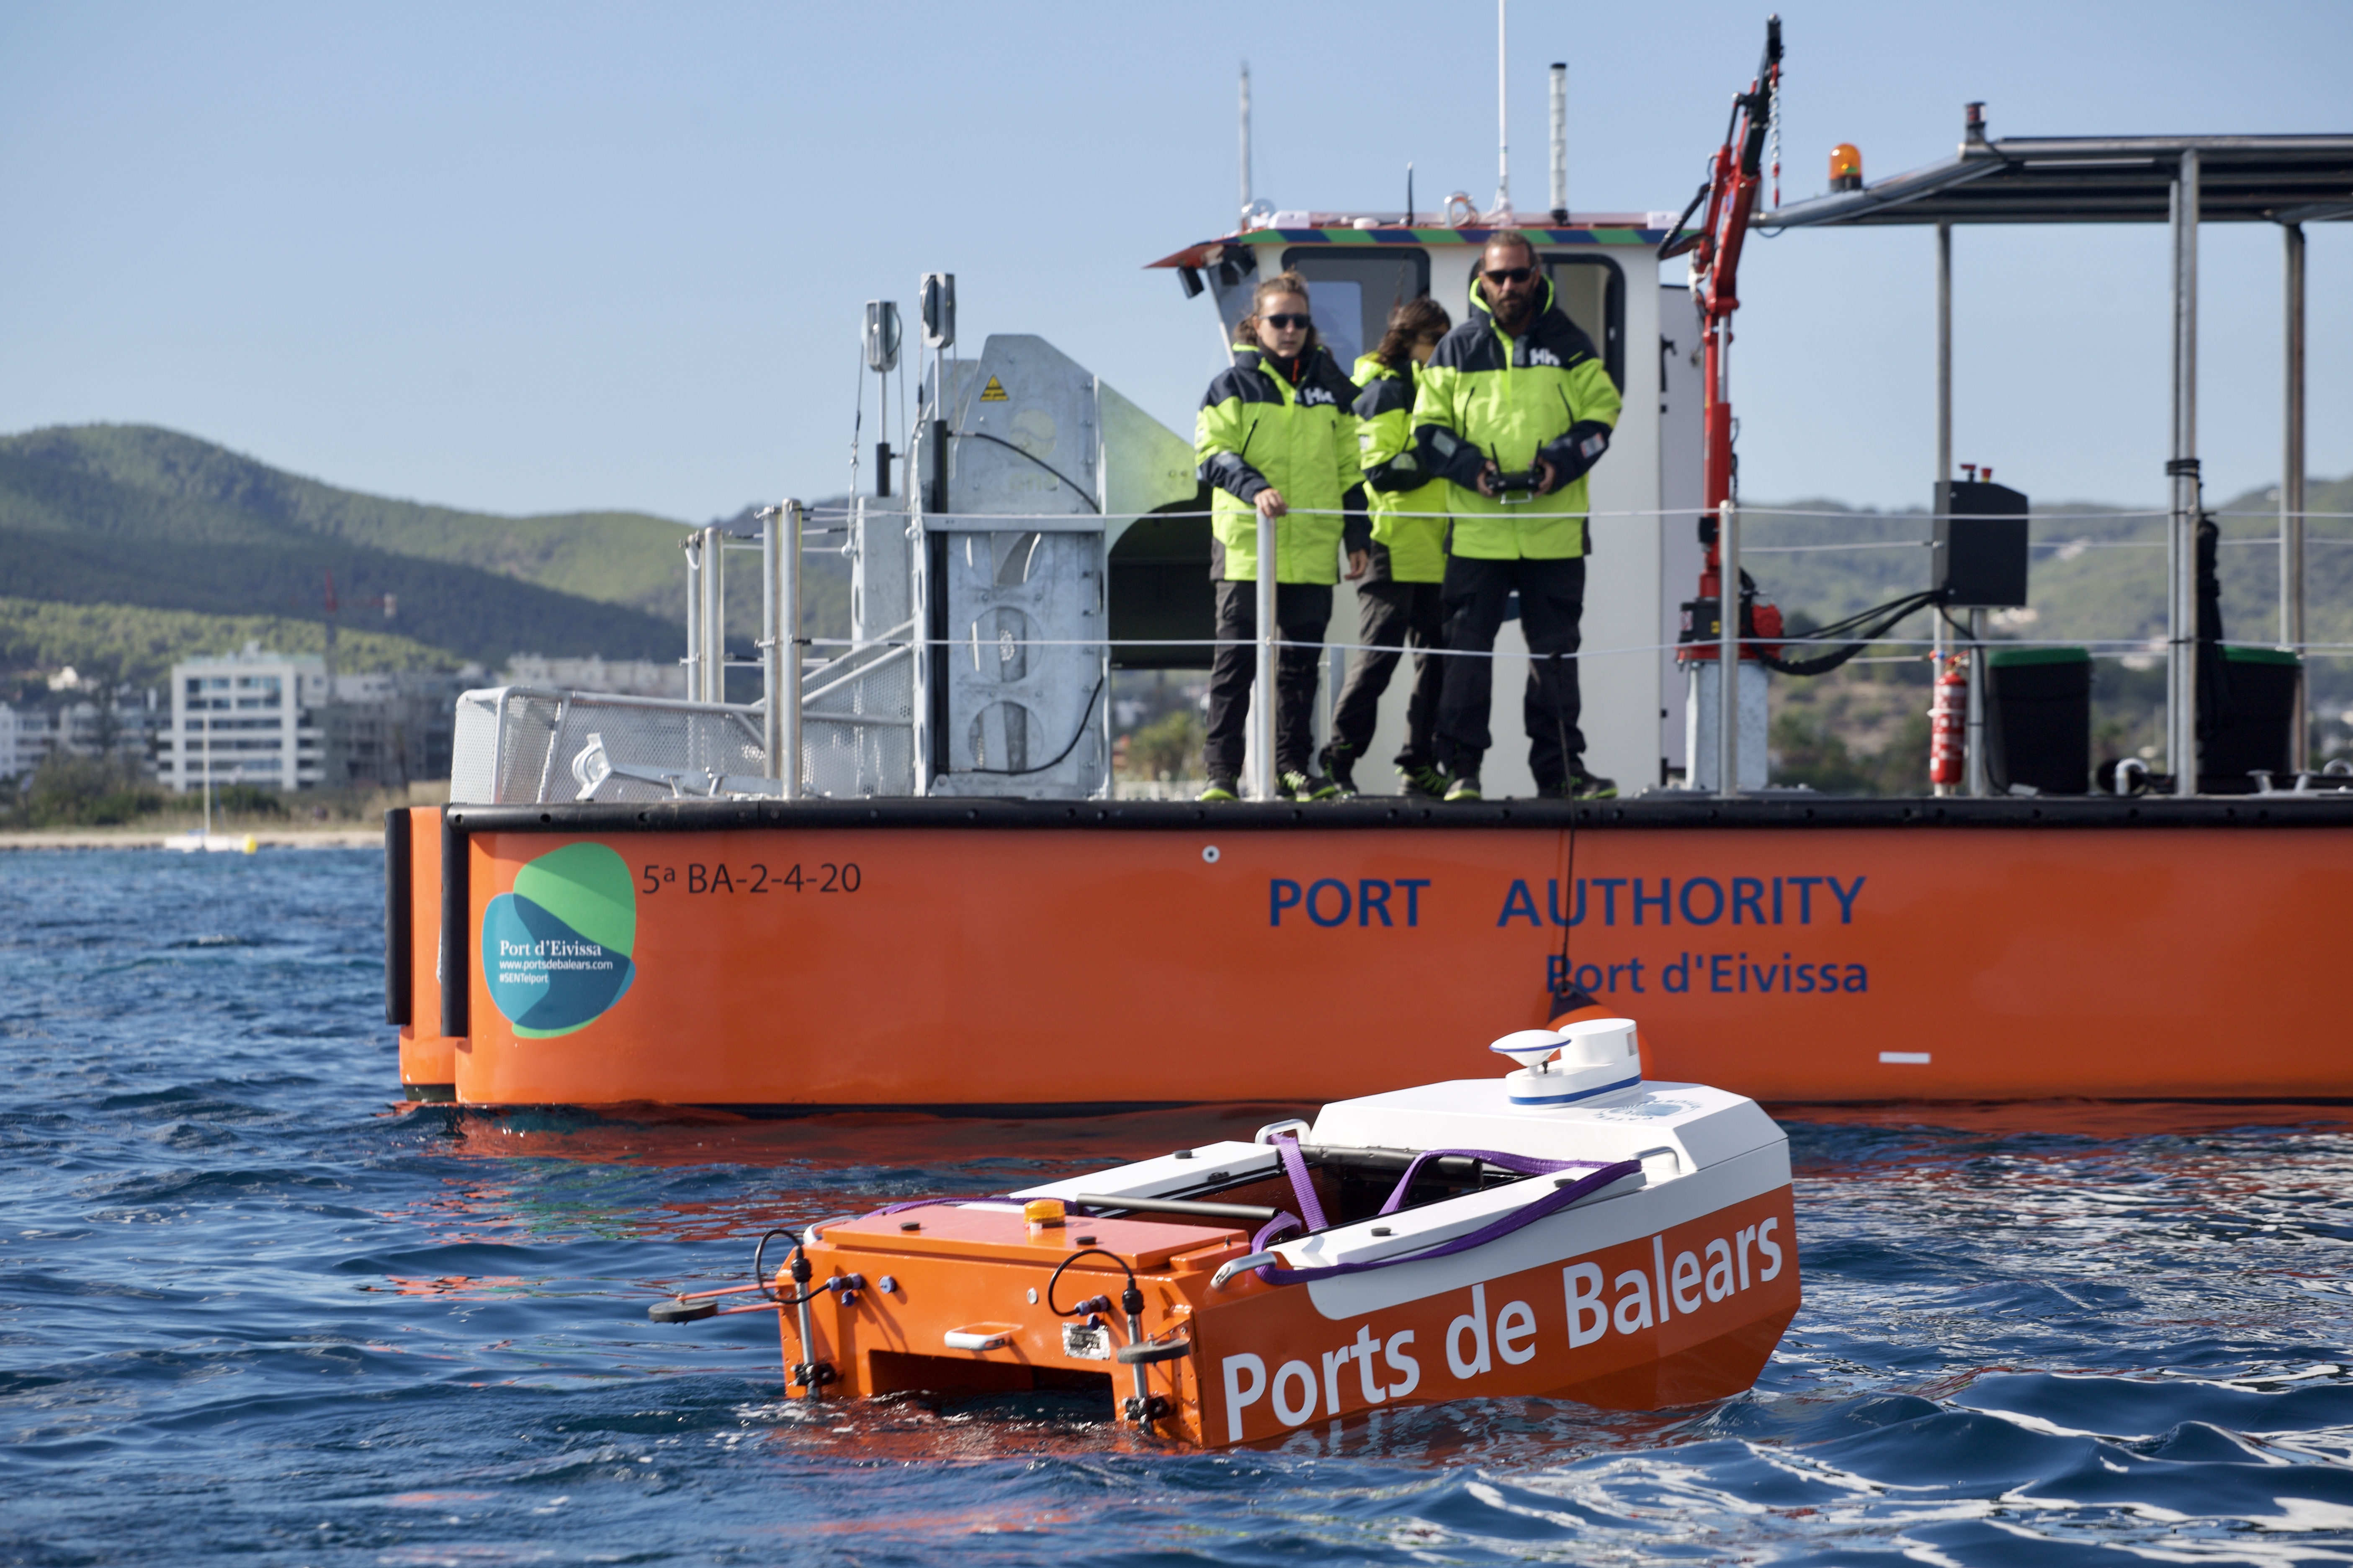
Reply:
x=1392, y=616
x=1302, y=612
x=1551, y=607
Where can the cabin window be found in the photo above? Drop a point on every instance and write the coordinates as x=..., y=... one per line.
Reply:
x=1591, y=291
x=1353, y=289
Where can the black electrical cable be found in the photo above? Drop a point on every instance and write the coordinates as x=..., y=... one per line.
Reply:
x=759, y=1274
x=1568, y=995
x=1076, y=488
x=1864, y=627
x=1671, y=246
x=1088, y=1305
x=1085, y=723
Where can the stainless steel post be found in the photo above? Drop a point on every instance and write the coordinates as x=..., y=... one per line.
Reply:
x=812, y=1390
x=2291, y=493
x=1939, y=641
x=1973, y=736
x=772, y=671
x=694, y=617
x=1727, y=652
x=788, y=623
x=1262, y=778
x=714, y=614
x=2182, y=738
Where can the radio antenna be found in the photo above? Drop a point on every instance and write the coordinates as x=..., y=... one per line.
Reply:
x=1246, y=148
x=1502, y=123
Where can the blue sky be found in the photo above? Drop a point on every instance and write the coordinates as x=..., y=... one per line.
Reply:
x=529, y=257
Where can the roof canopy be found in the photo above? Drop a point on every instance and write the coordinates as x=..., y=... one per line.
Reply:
x=2101, y=179
x=1392, y=228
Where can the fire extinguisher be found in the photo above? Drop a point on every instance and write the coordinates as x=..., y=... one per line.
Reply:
x=1946, y=717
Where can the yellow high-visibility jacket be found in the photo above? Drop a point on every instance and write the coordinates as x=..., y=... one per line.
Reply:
x=1396, y=487
x=1488, y=396
x=1257, y=427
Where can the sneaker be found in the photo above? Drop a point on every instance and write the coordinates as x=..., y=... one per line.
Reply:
x=1296, y=785
x=1339, y=760
x=1588, y=786
x=1465, y=788
x=1425, y=780
x=1220, y=790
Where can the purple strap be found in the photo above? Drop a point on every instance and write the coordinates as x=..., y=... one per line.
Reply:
x=1518, y=1164
x=1551, y=1202
x=1272, y=1228
x=1303, y=1187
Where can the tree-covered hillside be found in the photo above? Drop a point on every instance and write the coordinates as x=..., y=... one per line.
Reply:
x=125, y=519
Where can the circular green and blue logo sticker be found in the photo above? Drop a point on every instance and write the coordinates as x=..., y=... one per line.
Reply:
x=556, y=949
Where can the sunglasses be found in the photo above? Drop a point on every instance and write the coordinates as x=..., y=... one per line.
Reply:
x=1510, y=274
x=1284, y=323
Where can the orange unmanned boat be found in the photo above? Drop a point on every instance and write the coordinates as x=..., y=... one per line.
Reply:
x=1567, y=1231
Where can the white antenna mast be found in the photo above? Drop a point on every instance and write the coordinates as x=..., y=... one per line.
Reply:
x=1559, y=142
x=1503, y=213
x=1246, y=155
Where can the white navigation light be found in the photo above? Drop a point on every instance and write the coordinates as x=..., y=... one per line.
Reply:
x=1597, y=1057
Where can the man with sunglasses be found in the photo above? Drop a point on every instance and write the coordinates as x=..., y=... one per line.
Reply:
x=1512, y=409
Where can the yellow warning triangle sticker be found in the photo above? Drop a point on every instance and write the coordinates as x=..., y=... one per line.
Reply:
x=993, y=392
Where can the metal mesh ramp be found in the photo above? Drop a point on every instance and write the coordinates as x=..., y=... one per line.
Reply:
x=517, y=745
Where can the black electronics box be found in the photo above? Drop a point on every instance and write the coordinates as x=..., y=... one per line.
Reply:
x=2251, y=726
x=2039, y=720
x=1981, y=551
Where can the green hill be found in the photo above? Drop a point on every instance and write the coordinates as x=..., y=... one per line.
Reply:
x=125, y=642
x=122, y=519
x=127, y=515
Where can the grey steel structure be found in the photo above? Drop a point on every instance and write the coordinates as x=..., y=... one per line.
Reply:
x=980, y=657
x=2183, y=181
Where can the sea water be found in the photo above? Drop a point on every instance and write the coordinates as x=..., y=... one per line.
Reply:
x=249, y=1310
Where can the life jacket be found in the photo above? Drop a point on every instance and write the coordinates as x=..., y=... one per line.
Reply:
x=1485, y=397
x=1396, y=485
x=1257, y=427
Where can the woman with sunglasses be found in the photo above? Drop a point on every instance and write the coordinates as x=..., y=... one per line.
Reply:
x=1276, y=437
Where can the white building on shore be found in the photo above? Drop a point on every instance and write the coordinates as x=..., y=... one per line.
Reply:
x=277, y=721
x=13, y=760
x=627, y=677
x=245, y=718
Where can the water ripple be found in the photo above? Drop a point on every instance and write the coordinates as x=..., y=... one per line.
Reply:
x=250, y=1308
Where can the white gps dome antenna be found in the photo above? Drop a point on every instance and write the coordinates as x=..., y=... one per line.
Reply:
x=1597, y=1057
x=1529, y=1047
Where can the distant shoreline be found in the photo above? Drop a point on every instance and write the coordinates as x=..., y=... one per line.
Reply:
x=152, y=838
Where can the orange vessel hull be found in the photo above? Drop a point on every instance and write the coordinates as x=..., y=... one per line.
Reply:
x=986, y=955
x=1263, y=1361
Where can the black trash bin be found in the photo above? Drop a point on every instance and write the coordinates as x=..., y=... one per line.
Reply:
x=2039, y=720
x=2251, y=726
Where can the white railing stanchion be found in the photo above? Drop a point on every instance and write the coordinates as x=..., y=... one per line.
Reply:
x=772, y=670
x=1262, y=704
x=1727, y=651
x=714, y=614
x=693, y=547
x=789, y=634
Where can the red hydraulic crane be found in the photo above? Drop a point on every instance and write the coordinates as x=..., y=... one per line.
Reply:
x=1736, y=181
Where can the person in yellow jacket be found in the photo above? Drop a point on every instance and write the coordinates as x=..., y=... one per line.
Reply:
x=1512, y=409
x=1398, y=602
x=1276, y=436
